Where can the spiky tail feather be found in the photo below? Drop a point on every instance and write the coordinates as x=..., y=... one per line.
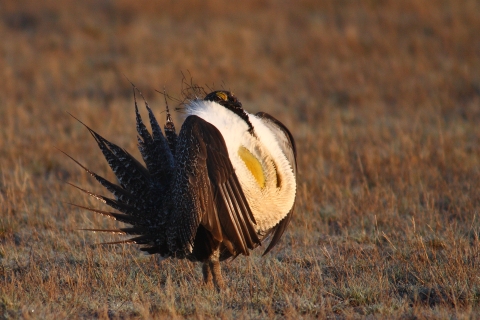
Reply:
x=144, y=192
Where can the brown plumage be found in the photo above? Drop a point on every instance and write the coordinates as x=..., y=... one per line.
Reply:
x=195, y=198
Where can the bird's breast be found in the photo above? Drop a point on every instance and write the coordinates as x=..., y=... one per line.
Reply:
x=264, y=173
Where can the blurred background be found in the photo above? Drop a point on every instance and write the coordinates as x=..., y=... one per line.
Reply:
x=382, y=97
x=301, y=59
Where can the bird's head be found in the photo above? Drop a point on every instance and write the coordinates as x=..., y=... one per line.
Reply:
x=224, y=98
x=229, y=101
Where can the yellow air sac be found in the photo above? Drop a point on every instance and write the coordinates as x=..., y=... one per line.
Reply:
x=253, y=165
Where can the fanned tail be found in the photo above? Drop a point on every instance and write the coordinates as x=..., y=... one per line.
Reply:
x=154, y=147
x=144, y=194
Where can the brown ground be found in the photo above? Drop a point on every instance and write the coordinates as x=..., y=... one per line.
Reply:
x=383, y=98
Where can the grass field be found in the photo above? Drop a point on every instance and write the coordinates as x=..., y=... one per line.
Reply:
x=382, y=97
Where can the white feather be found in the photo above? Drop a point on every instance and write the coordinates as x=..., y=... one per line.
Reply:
x=269, y=204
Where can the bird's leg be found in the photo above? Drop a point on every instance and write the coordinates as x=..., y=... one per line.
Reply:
x=214, y=262
x=212, y=274
x=207, y=274
x=217, y=275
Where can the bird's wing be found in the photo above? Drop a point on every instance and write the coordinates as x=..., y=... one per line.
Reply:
x=211, y=194
x=287, y=144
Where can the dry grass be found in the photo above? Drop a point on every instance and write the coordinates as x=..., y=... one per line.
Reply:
x=383, y=98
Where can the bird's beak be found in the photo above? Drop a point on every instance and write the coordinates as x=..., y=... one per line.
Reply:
x=237, y=104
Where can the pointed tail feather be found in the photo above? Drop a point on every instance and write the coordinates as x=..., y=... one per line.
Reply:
x=136, y=240
x=111, y=231
x=119, y=193
x=110, y=202
x=154, y=148
x=132, y=175
x=114, y=215
x=169, y=128
x=144, y=192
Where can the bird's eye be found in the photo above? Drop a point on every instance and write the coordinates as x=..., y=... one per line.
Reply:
x=222, y=95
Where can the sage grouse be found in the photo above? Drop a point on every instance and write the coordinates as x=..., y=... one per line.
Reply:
x=220, y=187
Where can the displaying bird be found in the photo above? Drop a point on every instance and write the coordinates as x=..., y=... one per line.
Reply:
x=216, y=190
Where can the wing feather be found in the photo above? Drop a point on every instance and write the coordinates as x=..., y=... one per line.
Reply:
x=219, y=203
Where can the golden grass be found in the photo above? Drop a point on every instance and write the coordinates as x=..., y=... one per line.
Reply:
x=383, y=98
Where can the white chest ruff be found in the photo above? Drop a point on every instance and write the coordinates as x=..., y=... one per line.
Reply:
x=266, y=176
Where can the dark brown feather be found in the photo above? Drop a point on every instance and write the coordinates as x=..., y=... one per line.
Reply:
x=221, y=206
